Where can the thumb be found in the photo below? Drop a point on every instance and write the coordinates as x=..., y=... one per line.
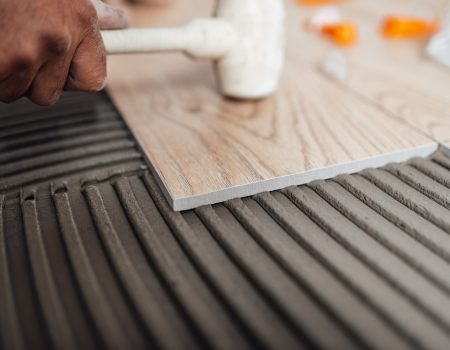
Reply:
x=110, y=17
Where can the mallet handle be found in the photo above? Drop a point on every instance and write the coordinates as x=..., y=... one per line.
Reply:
x=202, y=38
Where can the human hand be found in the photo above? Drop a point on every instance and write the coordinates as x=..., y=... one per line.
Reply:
x=148, y=2
x=51, y=45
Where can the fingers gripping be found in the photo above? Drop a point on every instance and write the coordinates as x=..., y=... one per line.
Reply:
x=88, y=68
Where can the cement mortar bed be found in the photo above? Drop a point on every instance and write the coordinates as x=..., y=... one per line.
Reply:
x=92, y=256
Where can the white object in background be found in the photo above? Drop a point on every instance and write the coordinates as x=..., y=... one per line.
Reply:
x=439, y=46
x=335, y=66
x=326, y=15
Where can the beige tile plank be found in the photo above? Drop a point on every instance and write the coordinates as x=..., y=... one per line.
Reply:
x=205, y=149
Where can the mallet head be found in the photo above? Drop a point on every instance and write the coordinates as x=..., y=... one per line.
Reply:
x=252, y=68
x=246, y=42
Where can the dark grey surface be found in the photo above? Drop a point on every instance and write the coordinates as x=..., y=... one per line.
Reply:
x=92, y=256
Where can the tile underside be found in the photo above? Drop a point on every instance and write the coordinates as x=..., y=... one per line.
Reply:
x=180, y=204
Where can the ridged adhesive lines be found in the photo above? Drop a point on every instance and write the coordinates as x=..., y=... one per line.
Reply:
x=10, y=328
x=68, y=121
x=422, y=183
x=407, y=220
x=73, y=167
x=23, y=111
x=245, y=302
x=442, y=159
x=102, y=311
x=411, y=251
x=156, y=317
x=338, y=282
x=56, y=135
x=400, y=275
x=61, y=145
x=432, y=170
x=209, y=318
x=414, y=200
x=67, y=155
x=359, y=261
x=271, y=280
x=52, y=307
x=319, y=326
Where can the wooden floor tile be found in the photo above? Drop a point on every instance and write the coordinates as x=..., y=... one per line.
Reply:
x=205, y=149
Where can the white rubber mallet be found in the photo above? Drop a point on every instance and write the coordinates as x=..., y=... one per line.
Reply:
x=245, y=40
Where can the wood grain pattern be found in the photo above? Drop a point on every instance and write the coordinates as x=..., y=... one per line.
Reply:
x=205, y=149
x=396, y=75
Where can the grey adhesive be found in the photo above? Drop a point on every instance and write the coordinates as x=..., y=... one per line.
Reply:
x=92, y=255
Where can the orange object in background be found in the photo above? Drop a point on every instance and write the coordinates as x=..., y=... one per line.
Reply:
x=342, y=33
x=397, y=27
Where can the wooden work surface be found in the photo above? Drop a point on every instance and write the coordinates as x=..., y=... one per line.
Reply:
x=205, y=149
